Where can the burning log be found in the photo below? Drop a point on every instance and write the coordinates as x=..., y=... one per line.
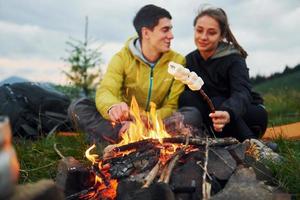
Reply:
x=135, y=162
x=178, y=140
x=176, y=156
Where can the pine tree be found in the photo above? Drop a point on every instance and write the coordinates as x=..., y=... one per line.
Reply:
x=84, y=62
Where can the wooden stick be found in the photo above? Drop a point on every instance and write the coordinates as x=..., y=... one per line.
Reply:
x=171, y=166
x=81, y=193
x=174, y=160
x=208, y=100
x=152, y=174
x=202, y=141
x=177, y=140
x=99, y=173
x=205, y=185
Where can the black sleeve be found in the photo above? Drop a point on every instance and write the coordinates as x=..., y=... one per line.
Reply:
x=240, y=89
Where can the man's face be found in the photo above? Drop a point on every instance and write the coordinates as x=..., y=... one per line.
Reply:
x=159, y=39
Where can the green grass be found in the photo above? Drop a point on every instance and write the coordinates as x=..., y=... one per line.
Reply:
x=287, y=172
x=38, y=159
x=282, y=97
x=283, y=106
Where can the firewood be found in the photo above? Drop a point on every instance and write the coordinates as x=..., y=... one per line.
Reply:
x=136, y=145
x=81, y=193
x=152, y=174
x=100, y=174
x=170, y=168
x=177, y=140
x=108, y=151
x=202, y=141
x=174, y=160
x=206, y=187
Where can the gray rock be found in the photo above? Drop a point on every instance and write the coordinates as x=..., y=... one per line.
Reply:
x=237, y=151
x=244, y=185
x=220, y=163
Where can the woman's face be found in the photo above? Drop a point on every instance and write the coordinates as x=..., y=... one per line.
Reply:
x=207, y=34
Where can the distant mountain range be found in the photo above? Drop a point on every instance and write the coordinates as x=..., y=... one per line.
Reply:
x=13, y=79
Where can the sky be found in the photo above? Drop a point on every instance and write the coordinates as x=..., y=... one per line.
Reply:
x=33, y=33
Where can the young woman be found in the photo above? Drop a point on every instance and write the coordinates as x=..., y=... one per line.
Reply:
x=220, y=61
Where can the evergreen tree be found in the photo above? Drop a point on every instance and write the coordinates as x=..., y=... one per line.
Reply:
x=84, y=62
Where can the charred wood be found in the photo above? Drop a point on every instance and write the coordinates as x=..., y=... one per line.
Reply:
x=177, y=140
x=133, y=163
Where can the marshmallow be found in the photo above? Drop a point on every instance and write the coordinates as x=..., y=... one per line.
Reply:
x=184, y=75
x=178, y=71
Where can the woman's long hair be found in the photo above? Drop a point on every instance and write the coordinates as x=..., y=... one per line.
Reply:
x=220, y=16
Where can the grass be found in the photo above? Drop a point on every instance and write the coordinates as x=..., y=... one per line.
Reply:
x=39, y=160
x=283, y=106
x=287, y=172
x=282, y=97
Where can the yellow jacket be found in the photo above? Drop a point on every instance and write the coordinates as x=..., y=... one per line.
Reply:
x=128, y=75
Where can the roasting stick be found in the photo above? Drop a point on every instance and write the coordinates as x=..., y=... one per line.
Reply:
x=208, y=100
x=191, y=79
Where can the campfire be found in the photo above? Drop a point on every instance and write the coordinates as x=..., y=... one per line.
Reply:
x=149, y=163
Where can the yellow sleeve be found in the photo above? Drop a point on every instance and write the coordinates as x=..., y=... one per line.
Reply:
x=109, y=91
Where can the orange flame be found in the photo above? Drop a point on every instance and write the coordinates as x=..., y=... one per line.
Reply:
x=139, y=130
x=144, y=126
x=107, y=192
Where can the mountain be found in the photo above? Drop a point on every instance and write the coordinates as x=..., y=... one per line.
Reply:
x=13, y=79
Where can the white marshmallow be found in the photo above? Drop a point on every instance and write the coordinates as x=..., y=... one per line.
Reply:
x=184, y=75
x=178, y=71
x=197, y=84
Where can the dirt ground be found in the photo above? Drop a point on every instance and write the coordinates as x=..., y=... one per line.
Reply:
x=289, y=131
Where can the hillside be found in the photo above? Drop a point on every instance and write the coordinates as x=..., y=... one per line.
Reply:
x=282, y=97
x=285, y=82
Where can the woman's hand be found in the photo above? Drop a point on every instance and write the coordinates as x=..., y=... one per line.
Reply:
x=219, y=119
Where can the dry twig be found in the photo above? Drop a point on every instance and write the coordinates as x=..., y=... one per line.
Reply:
x=206, y=186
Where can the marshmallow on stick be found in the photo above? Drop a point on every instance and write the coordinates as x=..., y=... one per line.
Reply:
x=191, y=79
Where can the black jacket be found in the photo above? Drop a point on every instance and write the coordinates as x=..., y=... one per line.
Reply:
x=225, y=74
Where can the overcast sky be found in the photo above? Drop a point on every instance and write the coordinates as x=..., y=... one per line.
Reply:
x=33, y=32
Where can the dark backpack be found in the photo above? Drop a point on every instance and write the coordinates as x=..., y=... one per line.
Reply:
x=34, y=109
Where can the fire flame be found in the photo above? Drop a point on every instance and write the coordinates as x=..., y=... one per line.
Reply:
x=145, y=126
x=107, y=190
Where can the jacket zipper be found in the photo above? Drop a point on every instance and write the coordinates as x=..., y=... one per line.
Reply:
x=150, y=89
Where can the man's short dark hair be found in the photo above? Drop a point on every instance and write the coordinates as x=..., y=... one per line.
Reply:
x=149, y=16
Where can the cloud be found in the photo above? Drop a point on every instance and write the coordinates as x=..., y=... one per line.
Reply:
x=33, y=33
x=34, y=69
x=30, y=41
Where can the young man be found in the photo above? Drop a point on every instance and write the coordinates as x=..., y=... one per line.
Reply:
x=139, y=69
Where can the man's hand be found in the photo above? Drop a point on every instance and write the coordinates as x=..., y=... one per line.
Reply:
x=119, y=112
x=125, y=127
x=219, y=119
